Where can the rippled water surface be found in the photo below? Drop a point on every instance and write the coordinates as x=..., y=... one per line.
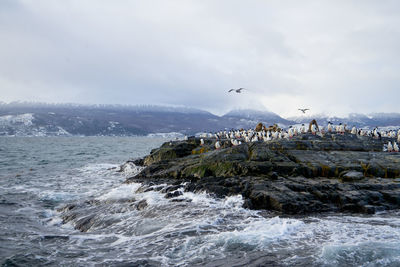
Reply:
x=38, y=176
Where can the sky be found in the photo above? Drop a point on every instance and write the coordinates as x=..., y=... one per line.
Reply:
x=334, y=57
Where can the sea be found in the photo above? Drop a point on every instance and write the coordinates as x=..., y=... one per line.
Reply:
x=39, y=176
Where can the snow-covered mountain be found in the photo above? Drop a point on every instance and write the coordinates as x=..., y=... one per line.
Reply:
x=246, y=118
x=68, y=119
x=356, y=119
x=27, y=119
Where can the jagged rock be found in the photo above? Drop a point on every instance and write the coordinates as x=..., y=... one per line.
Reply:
x=85, y=223
x=309, y=173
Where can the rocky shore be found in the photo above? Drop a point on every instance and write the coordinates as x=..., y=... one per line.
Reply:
x=305, y=174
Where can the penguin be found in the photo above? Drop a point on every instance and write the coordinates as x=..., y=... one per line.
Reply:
x=313, y=129
x=303, y=129
x=235, y=142
x=330, y=128
x=295, y=131
x=290, y=132
x=389, y=147
x=376, y=132
x=342, y=128
x=395, y=147
x=202, y=142
x=217, y=145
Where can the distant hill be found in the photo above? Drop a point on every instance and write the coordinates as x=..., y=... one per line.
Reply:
x=32, y=119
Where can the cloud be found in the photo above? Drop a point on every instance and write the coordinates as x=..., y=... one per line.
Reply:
x=332, y=56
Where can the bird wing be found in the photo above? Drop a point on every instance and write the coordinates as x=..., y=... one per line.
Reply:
x=230, y=90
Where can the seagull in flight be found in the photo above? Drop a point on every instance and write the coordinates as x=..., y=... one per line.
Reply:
x=304, y=110
x=239, y=90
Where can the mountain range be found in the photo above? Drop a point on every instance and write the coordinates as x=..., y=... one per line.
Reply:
x=33, y=119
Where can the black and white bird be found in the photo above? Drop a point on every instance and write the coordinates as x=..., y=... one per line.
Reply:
x=304, y=110
x=238, y=90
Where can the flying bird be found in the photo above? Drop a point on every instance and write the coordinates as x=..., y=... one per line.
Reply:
x=239, y=90
x=304, y=110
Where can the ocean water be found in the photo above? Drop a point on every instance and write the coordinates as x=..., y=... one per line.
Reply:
x=41, y=175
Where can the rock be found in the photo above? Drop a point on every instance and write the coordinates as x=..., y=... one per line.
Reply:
x=309, y=173
x=85, y=223
x=138, y=162
x=369, y=209
x=168, y=152
x=173, y=194
x=352, y=176
x=141, y=205
x=170, y=188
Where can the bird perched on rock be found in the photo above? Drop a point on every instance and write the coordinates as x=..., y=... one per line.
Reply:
x=303, y=128
x=395, y=147
x=313, y=129
x=389, y=147
x=303, y=110
x=238, y=90
x=202, y=142
x=330, y=128
x=217, y=145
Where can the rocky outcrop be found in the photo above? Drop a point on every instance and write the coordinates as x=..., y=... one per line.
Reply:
x=307, y=173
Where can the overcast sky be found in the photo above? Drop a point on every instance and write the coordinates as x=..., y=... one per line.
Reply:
x=334, y=57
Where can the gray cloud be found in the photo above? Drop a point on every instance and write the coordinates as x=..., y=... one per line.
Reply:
x=331, y=56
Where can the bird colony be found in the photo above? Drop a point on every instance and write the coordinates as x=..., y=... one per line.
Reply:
x=236, y=137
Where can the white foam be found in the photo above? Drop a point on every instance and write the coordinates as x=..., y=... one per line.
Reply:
x=260, y=232
x=56, y=196
x=124, y=191
x=130, y=169
x=98, y=168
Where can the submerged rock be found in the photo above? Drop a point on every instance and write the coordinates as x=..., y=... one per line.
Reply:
x=141, y=205
x=308, y=173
